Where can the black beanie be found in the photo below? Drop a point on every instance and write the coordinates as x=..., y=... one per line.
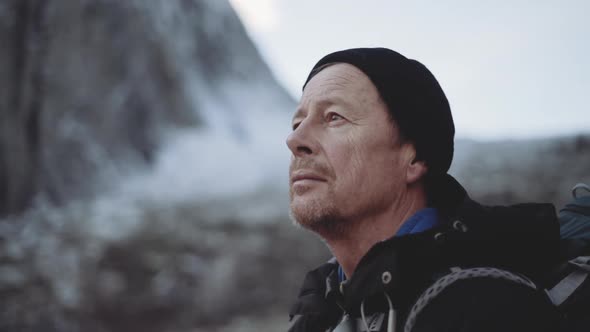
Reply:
x=413, y=96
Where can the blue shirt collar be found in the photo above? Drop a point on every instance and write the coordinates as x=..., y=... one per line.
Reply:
x=421, y=221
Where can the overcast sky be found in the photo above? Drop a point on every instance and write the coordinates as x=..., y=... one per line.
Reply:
x=510, y=69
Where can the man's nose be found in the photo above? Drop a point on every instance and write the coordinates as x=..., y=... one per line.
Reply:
x=301, y=141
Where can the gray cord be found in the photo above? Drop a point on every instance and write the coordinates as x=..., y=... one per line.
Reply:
x=391, y=320
x=458, y=274
x=363, y=318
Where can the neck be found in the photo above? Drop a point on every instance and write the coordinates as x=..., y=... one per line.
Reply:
x=351, y=245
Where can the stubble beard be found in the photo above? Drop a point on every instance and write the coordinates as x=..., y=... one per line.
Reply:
x=319, y=216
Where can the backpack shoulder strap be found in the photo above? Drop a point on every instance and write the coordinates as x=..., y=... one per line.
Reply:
x=559, y=293
x=570, y=289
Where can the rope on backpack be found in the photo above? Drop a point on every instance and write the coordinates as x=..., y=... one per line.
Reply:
x=460, y=274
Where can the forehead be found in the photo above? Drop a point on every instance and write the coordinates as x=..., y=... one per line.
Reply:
x=340, y=82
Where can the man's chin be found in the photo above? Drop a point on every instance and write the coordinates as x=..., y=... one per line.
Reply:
x=306, y=211
x=320, y=219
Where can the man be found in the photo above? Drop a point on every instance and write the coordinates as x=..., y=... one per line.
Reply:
x=371, y=145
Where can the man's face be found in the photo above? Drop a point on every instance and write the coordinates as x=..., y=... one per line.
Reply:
x=347, y=162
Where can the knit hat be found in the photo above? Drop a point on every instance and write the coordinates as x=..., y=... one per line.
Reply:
x=413, y=96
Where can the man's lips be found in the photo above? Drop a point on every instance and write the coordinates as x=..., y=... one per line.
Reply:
x=300, y=176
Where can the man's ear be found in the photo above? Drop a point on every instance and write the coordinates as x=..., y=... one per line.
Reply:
x=416, y=170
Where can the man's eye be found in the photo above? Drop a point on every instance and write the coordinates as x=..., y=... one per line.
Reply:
x=334, y=117
x=295, y=125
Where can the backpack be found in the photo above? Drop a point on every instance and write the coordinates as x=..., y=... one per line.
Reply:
x=569, y=290
x=567, y=286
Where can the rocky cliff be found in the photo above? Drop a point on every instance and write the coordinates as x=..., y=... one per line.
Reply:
x=90, y=87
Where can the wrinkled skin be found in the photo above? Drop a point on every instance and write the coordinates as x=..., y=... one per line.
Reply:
x=347, y=159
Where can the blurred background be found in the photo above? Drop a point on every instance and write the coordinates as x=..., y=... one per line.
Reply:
x=143, y=169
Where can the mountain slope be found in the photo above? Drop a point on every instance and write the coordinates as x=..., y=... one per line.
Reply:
x=91, y=87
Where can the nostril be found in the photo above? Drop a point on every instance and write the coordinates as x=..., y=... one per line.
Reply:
x=304, y=150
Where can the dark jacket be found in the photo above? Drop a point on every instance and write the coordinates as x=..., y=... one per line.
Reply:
x=521, y=238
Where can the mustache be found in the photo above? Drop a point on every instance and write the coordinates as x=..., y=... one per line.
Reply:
x=310, y=164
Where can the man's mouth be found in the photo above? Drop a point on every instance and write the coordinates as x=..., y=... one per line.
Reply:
x=300, y=176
